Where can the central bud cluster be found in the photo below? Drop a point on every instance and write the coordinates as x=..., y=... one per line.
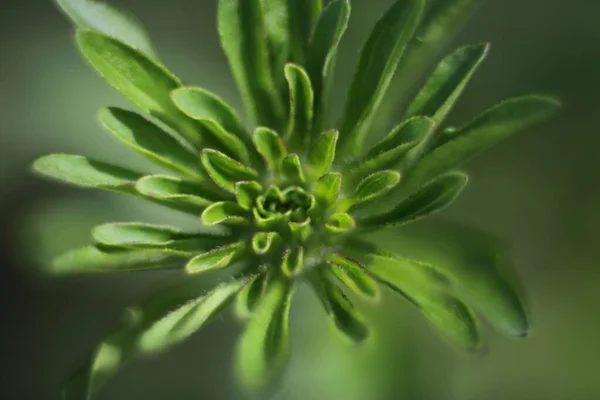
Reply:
x=292, y=203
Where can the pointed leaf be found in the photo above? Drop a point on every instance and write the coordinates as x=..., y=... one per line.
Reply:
x=263, y=242
x=195, y=196
x=301, y=107
x=277, y=20
x=353, y=275
x=493, y=126
x=249, y=297
x=246, y=193
x=327, y=188
x=224, y=212
x=390, y=159
x=373, y=186
x=145, y=83
x=426, y=288
x=263, y=350
x=150, y=141
x=322, y=154
x=303, y=17
x=243, y=33
x=270, y=146
x=102, y=17
x=329, y=30
x=225, y=171
x=339, y=308
x=181, y=323
x=291, y=169
x=218, y=258
x=432, y=198
x=340, y=223
x=410, y=131
x=378, y=61
x=293, y=261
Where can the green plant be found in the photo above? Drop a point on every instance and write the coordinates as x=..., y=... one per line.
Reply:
x=295, y=199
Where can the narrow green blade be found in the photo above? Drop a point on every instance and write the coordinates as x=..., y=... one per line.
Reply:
x=192, y=196
x=270, y=146
x=322, y=154
x=225, y=171
x=301, y=107
x=303, y=18
x=353, y=276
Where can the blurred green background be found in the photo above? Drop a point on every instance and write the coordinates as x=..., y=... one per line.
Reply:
x=539, y=192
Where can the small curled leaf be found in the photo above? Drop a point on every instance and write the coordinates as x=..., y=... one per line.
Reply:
x=226, y=171
x=224, y=212
x=218, y=258
x=322, y=154
x=270, y=146
x=263, y=242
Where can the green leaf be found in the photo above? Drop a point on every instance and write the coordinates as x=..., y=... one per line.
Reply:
x=86, y=172
x=353, y=275
x=102, y=17
x=329, y=30
x=327, y=188
x=192, y=196
x=378, y=61
x=300, y=230
x=218, y=258
x=262, y=242
x=277, y=19
x=224, y=212
x=263, y=350
x=293, y=261
x=243, y=33
x=94, y=259
x=183, y=322
x=145, y=83
x=447, y=83
x=322, y=154
x=423, y=285
x=372, y=187
x=391, y=159
x=216, y=116
x=444, y=18
x=410, y=131
x=303, y=17
x=488, y=129
x=225, y=171
x=150, y=141
x=249, y=297
x=246, y=193
x=301, y=107
x=291, y=169
x=340, y=223
x=270, y=146
x=339, y=309
x=432, y=198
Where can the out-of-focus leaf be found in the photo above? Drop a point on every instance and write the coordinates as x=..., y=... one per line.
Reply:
x=300, y=230
x=218, y=258
x=390, y=159
x=291, y=168
x=293, y=261
x=322, y=154
x=493, y=126
x=249, y=297
x=423, y=285
x=327, y=188
x=372, y=187
x=216, y=116
x=329, y=30
x=410, y=131
x=270, y=146
x=432, y=198
x=262, y=242
x=301, y=107
x=102, y=17
x=303, y=17
x=225, y=171
x=191, y=195
x=150, y=141
x=224, y=212
x=339, y=309
x=243, y=37
x=246, y=193
x=378, y=61
x=141, y=80
x=353, y=275
x=340, y=222
x=264, y=347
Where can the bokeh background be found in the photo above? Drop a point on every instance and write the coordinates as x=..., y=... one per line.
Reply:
x=540, y=192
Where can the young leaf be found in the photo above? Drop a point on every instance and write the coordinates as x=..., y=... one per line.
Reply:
x=447, y=83
x=216, y=116
x=291, y=169
x=270, y=146
x=86, y=172
x=301, y=107
x=329, y=30
x=215, y=259
x=181, y=323
x=262, y=242
x=425, y=287
x=300, y=230
x=303, y=17
x=293, y=261
x=353, y=275
x=246, y=193
x=249, y=297
x=224, y=212
x=102, y=17
x=145, y=83
x=340, y=223
x=410, y=131
x=94, y=259
x=150, y=141
x=264, y=347
x=243, y=34
x=491, y=127
x=194, y=196
x=378, y=61
x=432, y=198
x=225, y=171
x=390, y=159
x=373, y=186
x=277, y=20
x=327, y=188
x=339, y=308
x=322, y=153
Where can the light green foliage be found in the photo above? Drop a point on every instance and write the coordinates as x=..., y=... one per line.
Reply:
x=295, y=200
